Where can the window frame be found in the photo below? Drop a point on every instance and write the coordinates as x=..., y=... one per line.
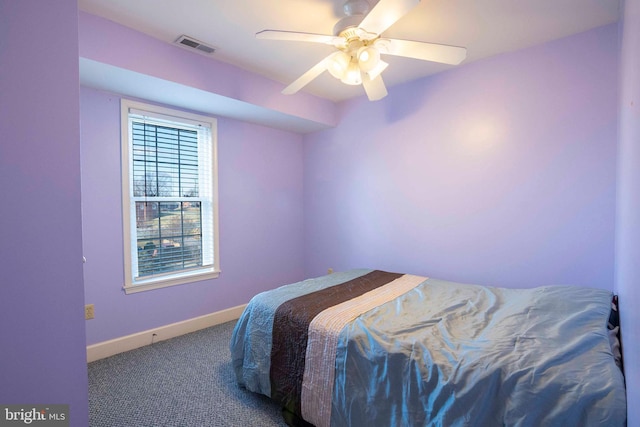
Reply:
x=134, y=284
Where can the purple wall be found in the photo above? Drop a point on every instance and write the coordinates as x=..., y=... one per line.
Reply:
x=260, y=191
x=628, y=231
x=42, y=355
x=500, y=172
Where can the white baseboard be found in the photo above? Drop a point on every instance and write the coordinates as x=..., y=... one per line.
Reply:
x=141, y=339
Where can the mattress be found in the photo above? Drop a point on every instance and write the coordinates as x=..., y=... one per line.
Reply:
x=379, y=348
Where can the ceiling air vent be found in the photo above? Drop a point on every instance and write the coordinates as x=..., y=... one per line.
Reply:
x=191, y=43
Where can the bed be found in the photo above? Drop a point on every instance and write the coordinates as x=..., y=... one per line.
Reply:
x=374, y=348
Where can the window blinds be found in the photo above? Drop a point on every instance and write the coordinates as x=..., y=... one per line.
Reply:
x=171, y=193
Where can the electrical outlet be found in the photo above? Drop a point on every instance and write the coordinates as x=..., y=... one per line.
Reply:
x=88, y=312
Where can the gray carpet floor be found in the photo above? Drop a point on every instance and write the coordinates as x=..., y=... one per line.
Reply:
x=186, y=381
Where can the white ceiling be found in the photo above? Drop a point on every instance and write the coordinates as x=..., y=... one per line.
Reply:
x=484, y=27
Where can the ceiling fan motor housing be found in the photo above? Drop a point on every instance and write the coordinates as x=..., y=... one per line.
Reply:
x=346, y=26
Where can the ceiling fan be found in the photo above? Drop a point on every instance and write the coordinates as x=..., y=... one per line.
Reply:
x=359, y=44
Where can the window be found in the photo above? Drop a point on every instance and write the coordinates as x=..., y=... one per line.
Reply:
x=169, y=197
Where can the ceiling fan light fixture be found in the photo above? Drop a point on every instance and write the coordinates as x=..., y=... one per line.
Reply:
x=352, y=75
x=368, y=58
x=339, y=64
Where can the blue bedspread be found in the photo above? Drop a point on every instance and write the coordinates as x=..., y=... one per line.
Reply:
x=427, y=352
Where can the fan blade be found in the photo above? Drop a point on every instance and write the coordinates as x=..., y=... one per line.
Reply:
x=374, y=88
x=385, y=14
x=307, y=77
x=421, y=50
x=301, y=37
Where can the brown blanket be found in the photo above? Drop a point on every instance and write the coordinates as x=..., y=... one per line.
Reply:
x=290, y=334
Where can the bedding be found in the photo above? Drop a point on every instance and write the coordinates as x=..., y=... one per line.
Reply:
x=387, y=349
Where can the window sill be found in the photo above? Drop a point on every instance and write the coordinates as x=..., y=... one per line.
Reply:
x=164, y=283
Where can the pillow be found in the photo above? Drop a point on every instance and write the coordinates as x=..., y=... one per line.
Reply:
x=614, y=317
x=614, y=331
